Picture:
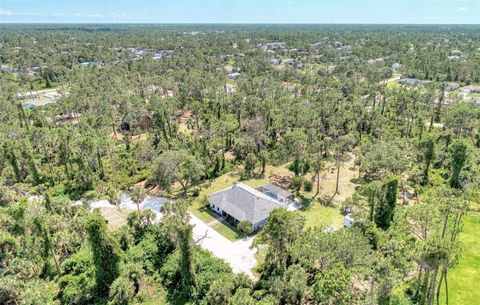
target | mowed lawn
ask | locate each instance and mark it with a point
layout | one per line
(464, 279)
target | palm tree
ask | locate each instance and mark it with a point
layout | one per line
(138, 195)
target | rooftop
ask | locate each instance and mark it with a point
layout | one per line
(244, 203)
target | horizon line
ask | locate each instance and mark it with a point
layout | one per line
(226, 23)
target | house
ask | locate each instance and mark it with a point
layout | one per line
(397, 66)
(228, 69)
(233, 75)
(289, 61)
(28, 106)
(27, 95)
(241, 202)
(277, 193)
(348, 221)
(451, 87)
(412, 82)
(275, 61)
(471, 89)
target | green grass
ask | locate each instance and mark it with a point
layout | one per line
(473, 95)
(464, 279)
(319, 215)
(227, 230)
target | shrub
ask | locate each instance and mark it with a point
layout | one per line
(307, 186)
(245, 227)
(196, 192)
(204, 201)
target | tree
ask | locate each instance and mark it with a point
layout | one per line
(177, 166)
(458, 155)
(296, 184)
(138, 195)
(341, 145)
(280, 232)
(242, 297)
(122, 291)
(106, 253)
(176, 222)
(293, 286)
(114, 196)
(381, 159)
(386, 206)
(333, 286)
(294, 145)
(245, 227)
(427, 146)
(250, 163)
(317, 161)
(220, 291)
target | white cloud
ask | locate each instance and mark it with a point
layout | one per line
(463, 8)
(80, 15)
(5, 13)
(120, 15)
(10, 13)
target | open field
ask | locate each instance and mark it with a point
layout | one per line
(464, 279)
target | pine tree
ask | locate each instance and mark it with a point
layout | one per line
(106, 253)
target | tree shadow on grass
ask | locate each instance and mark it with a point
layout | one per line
(308, 202)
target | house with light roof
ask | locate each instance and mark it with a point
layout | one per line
(240, 202)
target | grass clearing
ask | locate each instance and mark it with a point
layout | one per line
(464, 279)
(116, 218)
(227, 230)
(319, 215)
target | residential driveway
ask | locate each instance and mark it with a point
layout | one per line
(236, 253)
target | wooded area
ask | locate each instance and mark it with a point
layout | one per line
(380, 124)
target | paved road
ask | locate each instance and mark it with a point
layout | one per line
(236, 253)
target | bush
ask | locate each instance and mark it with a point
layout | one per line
(204, 201)
(196, 192)
(307, 186)
(296, 184)
(245, 227)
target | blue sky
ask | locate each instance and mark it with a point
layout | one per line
(241, 11)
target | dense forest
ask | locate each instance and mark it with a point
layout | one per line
(379, 125)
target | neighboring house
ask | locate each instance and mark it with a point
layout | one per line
(412, 82)
(275, 61)
(27, 95)
(348, 221)
(277, 193)
(241, 202)
(228, 69)
(233, 75)
(28, 106)
(397, 66)
(451, 87)
(289, 61)
(471, 89)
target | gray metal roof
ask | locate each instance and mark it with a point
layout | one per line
(276, 189)
(244, 203)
